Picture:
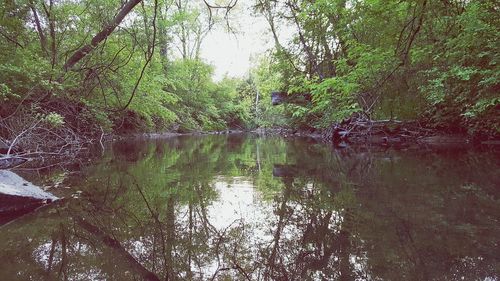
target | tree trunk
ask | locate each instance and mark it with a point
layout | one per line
(103, 34)
(43, 40)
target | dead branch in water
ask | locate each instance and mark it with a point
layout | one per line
(36, 134)
(365, 130)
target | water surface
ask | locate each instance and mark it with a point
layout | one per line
(245, 208)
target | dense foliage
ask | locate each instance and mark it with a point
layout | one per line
(97, 67)
(409, 59)
(94, 66)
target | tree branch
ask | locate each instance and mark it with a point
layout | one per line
(10, 39)
(151, 51)
(43, 39)
(102, 35)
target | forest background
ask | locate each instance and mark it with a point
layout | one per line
(73, 71)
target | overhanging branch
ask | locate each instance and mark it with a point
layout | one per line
(102, 35)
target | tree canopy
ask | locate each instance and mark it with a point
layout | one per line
(412, 59)
(88, 67)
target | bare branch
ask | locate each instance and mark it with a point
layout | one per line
(227, 8)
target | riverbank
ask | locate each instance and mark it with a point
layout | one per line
(384, 133)
(351, 132)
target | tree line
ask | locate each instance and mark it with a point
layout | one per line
(434, 61)
(73, 71)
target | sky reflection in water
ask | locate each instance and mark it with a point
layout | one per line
(246, 208)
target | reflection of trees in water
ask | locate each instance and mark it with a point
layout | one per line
(310, 237)
(336, 215)
(406, 226)
(170, 216)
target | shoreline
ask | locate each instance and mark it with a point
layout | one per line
(350, 133)
(399, 137)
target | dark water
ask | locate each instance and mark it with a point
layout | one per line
(245, 208)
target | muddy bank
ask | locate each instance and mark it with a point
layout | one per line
(161, 135)
(383, 133)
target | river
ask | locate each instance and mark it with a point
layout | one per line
(242, 207)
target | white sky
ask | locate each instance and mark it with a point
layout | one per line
(231, 53)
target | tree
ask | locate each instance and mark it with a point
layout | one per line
(384, 59)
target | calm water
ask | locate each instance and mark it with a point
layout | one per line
(246, 208)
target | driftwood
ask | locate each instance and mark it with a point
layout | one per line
(11, 162)
(18, 196)
(387, 132)
(28, 135)
(13, 185)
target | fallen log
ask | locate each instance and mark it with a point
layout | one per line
(10, 162)
(388, 133)
(18, 196)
